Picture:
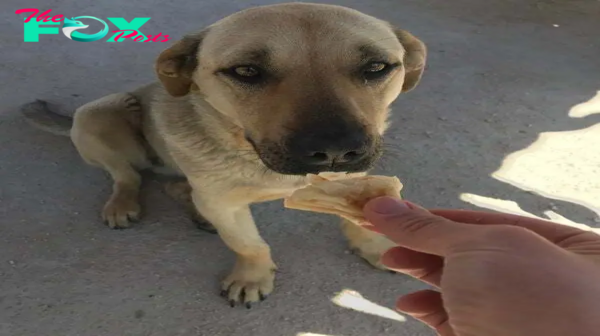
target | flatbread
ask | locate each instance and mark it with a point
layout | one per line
(342, 196)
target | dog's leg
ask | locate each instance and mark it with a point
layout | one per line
(182, 192)
(253, 274)
(106, 134)
(123, 205)
(367, 244)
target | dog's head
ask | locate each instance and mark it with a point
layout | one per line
(310, 84)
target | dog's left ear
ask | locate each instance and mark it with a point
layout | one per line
(175, 66)
(414, 58)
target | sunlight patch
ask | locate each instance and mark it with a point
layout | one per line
(559, 165)
(353, 300)
(512, 207)
(496, 204)
(587, 108)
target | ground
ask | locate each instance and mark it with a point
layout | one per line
(504, 119)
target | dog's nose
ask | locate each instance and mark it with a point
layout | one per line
(330, 149)
(332, 157)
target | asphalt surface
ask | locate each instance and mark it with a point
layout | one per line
(500, 121)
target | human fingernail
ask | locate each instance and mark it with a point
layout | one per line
(387, 206)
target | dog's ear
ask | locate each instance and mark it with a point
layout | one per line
(175, 65)
(414, 58)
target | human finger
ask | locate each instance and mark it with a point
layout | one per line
(551, 231)
(425, 267)
(427, 306)
(413, 227)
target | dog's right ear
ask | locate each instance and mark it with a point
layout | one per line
(175, 65)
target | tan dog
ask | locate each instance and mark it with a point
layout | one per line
(245, 109)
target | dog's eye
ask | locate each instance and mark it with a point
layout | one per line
(375, 67)
(246, 71)
(376, 70)
(246, 74)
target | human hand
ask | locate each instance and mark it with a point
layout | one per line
(495, 274)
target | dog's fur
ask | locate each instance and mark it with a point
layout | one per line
(239, 143)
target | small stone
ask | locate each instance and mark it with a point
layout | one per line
(11, 262)
(139, 314)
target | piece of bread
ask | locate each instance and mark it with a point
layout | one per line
(342, 196)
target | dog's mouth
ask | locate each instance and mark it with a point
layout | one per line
(252, 143)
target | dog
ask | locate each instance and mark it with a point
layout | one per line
(243, 110)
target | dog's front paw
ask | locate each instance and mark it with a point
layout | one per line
(249, 282)
(372, 249)
(119, 212)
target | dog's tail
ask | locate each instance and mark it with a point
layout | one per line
(39, 114)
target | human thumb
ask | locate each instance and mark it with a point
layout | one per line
(413, 227)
